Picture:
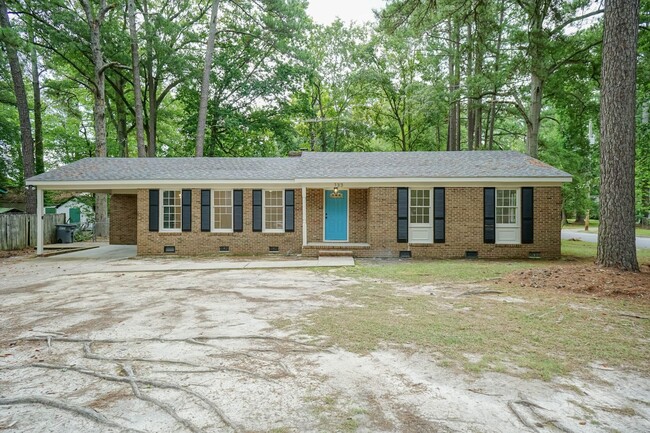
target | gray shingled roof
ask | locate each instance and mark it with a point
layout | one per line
(311, 165)
(424, 164)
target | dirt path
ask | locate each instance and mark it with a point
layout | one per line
(202, 352)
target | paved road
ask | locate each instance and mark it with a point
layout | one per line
(593, 237)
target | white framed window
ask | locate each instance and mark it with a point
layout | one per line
(273, 211)
(171, 211)
(222, 211)
(420, 216)
(420, 207)
(507, 211)
(506, 207)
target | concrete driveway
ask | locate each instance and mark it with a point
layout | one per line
(593, 237)
(210, 351)
(122, 258)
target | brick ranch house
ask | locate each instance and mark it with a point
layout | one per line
(494, 204)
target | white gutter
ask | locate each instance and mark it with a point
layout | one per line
(314, 182)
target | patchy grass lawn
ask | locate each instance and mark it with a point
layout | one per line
(524, 331)
(422, 272)
(542, 335)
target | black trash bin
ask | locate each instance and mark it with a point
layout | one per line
(65, 233)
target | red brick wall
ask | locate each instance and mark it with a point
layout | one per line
(358, 203)
(372, 220)
(464, 226)
(123, 215)
(197, 242)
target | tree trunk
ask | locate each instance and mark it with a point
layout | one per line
(478, 102)
(38, 108)
(151, 84)
(153, 114)
(457, 83)
(493, 102)
(580, 217)
(616, 235)
(312, 137)
(99, 109)
(137, 85)
(534, 117)
(453, 130)
(470, 93)
(205, 83)
(120, 123)
(23, 110)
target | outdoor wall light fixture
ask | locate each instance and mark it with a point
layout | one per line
(335, 193)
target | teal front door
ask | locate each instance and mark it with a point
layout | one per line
(336, 216)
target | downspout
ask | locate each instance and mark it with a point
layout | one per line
(304, 216)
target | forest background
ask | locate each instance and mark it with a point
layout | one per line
(424, 75)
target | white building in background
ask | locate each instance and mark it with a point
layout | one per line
(76, 212)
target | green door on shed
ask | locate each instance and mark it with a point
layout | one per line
(75, 215)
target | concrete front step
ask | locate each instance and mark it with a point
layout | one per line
(335, 253)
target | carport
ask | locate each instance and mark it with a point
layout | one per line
(94, 187)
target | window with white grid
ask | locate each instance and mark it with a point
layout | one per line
(506, 207)
(420, 206)
(273, 211)
(171, 210)
(222, 211)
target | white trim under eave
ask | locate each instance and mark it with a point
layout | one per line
(103, 186)
(406, 181)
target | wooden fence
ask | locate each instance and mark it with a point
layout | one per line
(19, 230)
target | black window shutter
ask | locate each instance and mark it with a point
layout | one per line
(489, 227)
(238, 210)
(257, 210)
(527, 226)
(186, 216)
(205, 210)
(154, 206)
(402, 215)
(439, 215)
(289, 210)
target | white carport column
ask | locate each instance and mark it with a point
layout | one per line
(304, 216)
(39, 221)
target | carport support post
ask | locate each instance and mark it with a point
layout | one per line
(304, 216)
(39, 221)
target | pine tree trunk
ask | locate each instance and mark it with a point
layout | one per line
(457, 83)
(38, 107)
(205, 83)
(99, 108)
(478, 102)
(451, 127)
(151, 84)
(470, 99)
(616, 235)
(137, 85)
(120, 114)
(534, 117)
(493, 102)
(454, 133)
(536, 47)
(23, 111)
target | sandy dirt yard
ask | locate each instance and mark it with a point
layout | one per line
(204, 351)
